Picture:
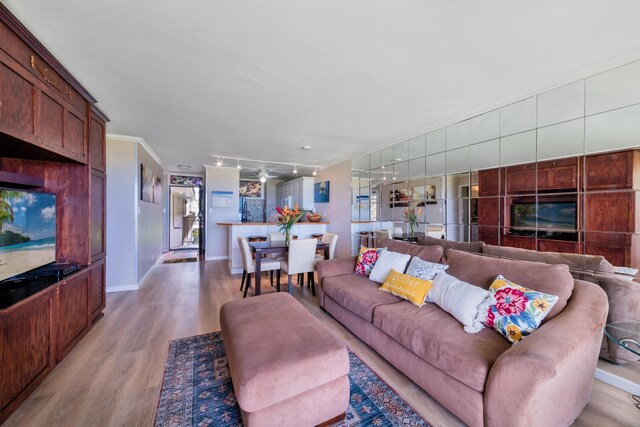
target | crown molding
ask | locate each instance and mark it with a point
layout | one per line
(136, 140)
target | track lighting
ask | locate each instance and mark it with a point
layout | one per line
(314, 172)
(263, 179)
(239, 167)
(219, 162)
(295, 171)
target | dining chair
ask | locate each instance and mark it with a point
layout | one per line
(276, 236)
(249, 266)
(330, 239)
(382, 234)
(301, 259)
(398, 231)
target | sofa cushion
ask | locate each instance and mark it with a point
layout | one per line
(357, 294)
(425, 270)
(407, 287)
(437, 338)
(388, 261)
(367, 258)
(482, 270)
(574, 261)
(426, 253)
(475, 247)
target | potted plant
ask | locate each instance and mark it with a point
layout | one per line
(412, 215)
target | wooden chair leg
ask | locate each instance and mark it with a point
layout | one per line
(313, 284)
(301, 280)
(289, 284)
(309, 279)
(244, 276)
(271, 274)
(278, 280)
(247, 285)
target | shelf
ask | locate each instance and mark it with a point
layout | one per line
(16, 180)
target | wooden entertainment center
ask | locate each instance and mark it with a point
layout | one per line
(603, 188)
(52, 139)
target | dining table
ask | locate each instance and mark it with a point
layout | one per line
(278, 247)
(409, 237)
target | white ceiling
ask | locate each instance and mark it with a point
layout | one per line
(260, 79)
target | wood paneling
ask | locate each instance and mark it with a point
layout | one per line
(521, 179)
(97, 138)
(50, 119)
(97, 289)
(74, 134)
(612, 171)
(489, 211)
(98, 191)
(522, 242)
(545, 245)
(489, 182)
(26, 348)
(612, 211)
(73, 312)
(16, 103)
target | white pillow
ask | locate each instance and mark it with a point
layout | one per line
(424, 270)
(468, 303)
(386, 261)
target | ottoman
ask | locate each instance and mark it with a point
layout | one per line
(287, 368)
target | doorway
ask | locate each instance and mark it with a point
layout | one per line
(185, 217)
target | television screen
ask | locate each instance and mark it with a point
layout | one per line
(27, 231)
(548, 216)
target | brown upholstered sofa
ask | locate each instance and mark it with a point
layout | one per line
(622, 292)
(543, 380)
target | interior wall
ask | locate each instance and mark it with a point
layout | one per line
(220, 179)
(121, 196)
(338, 211)
(150, 218)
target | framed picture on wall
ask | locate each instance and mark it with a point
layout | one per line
(146, 183)
(321, 192)
(251, 189)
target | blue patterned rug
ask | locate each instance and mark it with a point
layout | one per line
(197, 391)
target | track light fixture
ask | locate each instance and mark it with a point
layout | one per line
(219, 162)
(295, 171)
(239, 167)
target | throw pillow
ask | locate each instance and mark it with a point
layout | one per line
(367, 259)
(424, 270)
(466, 302)
(386, 261)
(518, 311)
(407, 287)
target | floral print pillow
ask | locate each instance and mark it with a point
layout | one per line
(518, 310)
(367, 259)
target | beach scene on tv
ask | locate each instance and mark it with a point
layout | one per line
(554, 216)
(27, 231)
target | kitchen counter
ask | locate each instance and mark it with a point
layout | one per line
(303, 230)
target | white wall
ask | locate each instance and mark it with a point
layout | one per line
(150, 220)
(134, 227)
(338, 211)
(220, 179)
(122, 192)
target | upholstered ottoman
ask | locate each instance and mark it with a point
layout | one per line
(287, 368)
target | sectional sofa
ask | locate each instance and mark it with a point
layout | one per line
(544, 380)
(622, 292)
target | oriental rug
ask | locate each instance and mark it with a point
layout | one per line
(197, 391)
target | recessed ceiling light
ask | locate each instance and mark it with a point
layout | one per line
(306, 147)
(398, 159)
(184, 167)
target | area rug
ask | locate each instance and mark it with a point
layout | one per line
(197, 391)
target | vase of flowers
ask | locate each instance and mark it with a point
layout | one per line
(287, 218)
(412, 215)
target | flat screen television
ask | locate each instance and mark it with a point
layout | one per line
(555, 219)
(27, 231)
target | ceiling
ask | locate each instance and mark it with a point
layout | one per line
(260, 79)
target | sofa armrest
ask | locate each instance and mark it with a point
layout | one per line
(333, 267)
(551, 368)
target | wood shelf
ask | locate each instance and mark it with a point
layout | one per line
(18, 180)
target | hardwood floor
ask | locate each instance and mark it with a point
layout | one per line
(112, 377)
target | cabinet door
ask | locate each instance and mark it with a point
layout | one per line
(489, 182)
(27, 346)
(559, 246)
(74, 135)
(73, 312)
(521, 180)
(519, 242)
(610, 212)
(609, 171)
(97, 289)
(97, 137)
(50, 119)
(16, 103)
(98, 191)
(563, 178)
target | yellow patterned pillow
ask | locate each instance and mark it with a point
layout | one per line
(407, 287)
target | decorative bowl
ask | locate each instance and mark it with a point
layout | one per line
(313, 217)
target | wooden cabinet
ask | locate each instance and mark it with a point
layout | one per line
(612, 171)
(523, 242)
(16, 103)
(73, 311)
(300, 189)
(27, 348)
(97, 138)
(521, 179)
(545, 245)
(98, 193)
(97, 289)
(489, 182)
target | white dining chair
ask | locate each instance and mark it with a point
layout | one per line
(249, 266)
(398, 231)
(276, 236)
(382, 234)
(301, 259)
(331, 239)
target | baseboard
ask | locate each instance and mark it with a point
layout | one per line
(122, 288)
(217, 258)
(617, 381)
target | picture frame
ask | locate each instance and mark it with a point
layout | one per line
(146, 183)
(321, 192)
(251, 189)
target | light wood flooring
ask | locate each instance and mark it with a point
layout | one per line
(112, 376)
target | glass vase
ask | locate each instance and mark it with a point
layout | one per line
(287, 237)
